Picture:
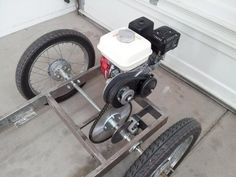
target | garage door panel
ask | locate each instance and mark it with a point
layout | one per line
(206, 54)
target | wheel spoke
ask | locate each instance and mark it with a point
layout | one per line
(47, 52)
(40, 69)
(40, 78)
(72, 50)
(56, 51)
(60, 50)
(39, 73)
(44, 62)
(48, 58)
(44, 86)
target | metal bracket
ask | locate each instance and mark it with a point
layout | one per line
(24, 117)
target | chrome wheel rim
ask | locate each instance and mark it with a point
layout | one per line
(169, 163)
(74, 53)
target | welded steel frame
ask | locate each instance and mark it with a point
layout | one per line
(29, 111)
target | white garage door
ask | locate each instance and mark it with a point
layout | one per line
(19, 14)
(206, 54)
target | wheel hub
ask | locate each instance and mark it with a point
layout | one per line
(55, 67)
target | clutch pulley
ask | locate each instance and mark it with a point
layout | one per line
(126, 86)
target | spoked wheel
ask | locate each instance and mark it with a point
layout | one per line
(163, 156)
(66, 48)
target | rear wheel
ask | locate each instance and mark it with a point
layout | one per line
(65, 45)
(166, 153)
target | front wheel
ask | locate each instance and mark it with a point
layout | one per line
(61, 47)
(166, 153)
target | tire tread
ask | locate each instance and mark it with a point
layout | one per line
(159, 146)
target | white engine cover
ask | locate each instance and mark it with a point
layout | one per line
(125, 48)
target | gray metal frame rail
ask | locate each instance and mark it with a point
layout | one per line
(29, 111)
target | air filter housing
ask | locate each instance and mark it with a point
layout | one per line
(125, 48)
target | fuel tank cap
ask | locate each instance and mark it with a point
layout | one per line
(126, 36)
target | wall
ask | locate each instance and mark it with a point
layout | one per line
(19, 14)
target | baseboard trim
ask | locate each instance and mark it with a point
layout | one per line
(94, 21)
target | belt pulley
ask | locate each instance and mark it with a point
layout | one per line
(126, 86)
(100, 130)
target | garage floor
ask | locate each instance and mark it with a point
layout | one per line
(44, 147)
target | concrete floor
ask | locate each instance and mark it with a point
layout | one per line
(44, 147)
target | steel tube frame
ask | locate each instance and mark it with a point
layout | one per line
(30, 109)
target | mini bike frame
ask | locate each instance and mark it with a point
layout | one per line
(29, 110)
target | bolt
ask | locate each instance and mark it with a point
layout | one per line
(129, 98)
(58, 76)
(139, 149)
(68, 69)
(68, 86)
(78, 81)
(64, 67)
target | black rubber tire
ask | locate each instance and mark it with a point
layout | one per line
(163, 146)
(31, 53)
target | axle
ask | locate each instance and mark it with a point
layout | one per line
(66, 76)
(61, 70)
